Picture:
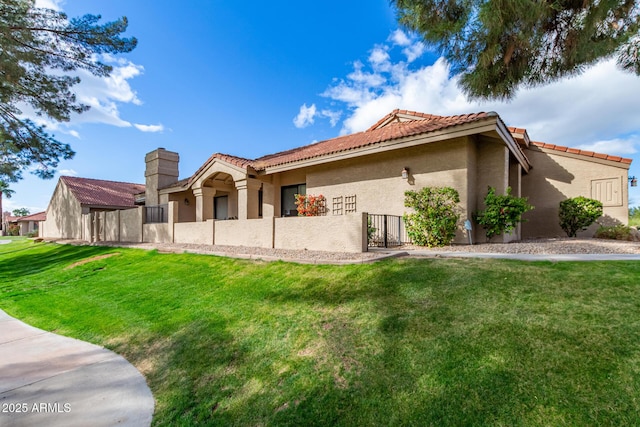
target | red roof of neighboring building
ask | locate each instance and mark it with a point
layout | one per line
(40, 216)
(98, 192)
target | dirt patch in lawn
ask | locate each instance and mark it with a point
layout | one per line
(93, 258)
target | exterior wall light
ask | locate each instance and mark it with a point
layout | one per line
(405, 173)
(186, 201)
(634, 181)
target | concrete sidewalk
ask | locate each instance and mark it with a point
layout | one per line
(51, 380)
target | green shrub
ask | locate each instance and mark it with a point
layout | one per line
(13, 230)
(616, 232)
(578, 213)
(502, 213)
(435, 218)
(371, 230)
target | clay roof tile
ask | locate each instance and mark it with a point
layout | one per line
(98, 192)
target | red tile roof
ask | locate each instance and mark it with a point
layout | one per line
(581, 152)
(40, 216)
(374, 135)
(98, 192)
(395, 125)
(234, 160)
(419, 123)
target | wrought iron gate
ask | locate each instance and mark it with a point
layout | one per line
(384, 231)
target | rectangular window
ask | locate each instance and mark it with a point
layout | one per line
(260, 200)
(288, 198)
(608, 191)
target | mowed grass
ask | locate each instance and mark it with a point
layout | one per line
(402, 342)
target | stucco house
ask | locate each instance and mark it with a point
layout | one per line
(26, 225)
(368, 172)
(74, 198)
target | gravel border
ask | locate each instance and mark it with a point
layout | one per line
(556, 246)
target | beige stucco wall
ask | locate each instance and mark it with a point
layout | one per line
(112, 226)
(194, 232)
(186, 202)
(377, 182)
(346, 233)
(64, 219)
(495, 168)
(131, 225)
(249, 232)
(556, 177)
(156, 233)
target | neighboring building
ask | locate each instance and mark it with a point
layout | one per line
(24, 225)
(369, 172)
(75, 196)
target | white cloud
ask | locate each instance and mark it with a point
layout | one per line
(414, 51)
(68, 172)
(379, 58)
(8, 205)
(596, 110)
(50, 4)
(74, 133)
(149, 128)
(104, 95)
(370, 80)
(333, 116)
(619, 146)
(305, 117)
(400, 38)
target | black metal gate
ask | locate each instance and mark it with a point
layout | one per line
(156, 214)
(384, 231)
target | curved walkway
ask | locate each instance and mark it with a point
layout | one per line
(48, 379)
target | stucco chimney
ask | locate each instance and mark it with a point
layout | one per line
(161, 171)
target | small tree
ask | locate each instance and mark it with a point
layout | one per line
(503, 212)
(578, 213)
(436, 215)
(21, 212)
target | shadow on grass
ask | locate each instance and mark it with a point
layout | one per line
(38, 257)
(410, 378)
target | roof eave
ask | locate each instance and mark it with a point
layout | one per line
(502, 130)
(603, 161)
(466, 129)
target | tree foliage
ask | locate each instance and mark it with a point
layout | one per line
(21, 212)
(39, 51)
(499, 45)
(435, 218)
(503, 212)
(578, 213)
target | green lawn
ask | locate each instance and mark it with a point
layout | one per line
(402, 342)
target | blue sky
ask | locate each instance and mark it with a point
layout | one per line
(214, 76)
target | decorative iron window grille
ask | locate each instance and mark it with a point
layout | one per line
(350, 204)
(156, 214)
(322, 207)
(337, 205)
